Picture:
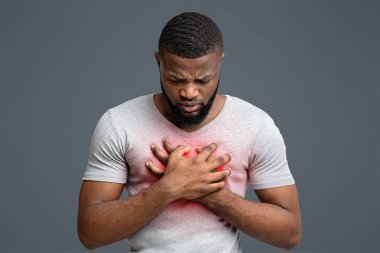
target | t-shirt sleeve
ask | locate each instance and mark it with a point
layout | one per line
(106, 159)
(269, 167)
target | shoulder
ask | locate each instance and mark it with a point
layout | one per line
(134, 105)
(131, 109)
(246, 111)
(127, 113)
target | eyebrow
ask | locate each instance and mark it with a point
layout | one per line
(174, 76)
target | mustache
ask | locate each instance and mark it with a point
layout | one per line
(178, 117)
(190, 103)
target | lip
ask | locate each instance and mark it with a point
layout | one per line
(188, 103)
(188, 107)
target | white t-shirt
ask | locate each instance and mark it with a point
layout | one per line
(121, 145)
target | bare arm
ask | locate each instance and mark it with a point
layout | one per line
(276, 220)
(103, 218)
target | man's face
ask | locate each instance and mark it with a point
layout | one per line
(189, 85)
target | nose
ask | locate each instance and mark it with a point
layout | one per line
(189, 91)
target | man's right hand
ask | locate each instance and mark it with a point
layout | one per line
(191, 178)
(103, 218)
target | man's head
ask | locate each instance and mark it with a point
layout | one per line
(191, 35)
(189, 59)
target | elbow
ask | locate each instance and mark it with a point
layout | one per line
(293, 240)
(88, 245)
(291, 243)
(86, 239)
(294, 234)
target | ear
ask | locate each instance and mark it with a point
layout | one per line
(221, 59)
(157, 56)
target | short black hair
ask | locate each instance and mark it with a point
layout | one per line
(190, 35)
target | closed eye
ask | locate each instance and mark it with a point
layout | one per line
(200, 81)
(203, 81)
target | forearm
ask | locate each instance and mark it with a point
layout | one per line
(266, 222)
(107, 222)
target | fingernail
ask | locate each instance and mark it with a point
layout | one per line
(152, 146)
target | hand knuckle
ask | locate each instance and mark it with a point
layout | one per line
(197, 160)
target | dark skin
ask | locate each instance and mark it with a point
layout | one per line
(104, 218)
(186, 80)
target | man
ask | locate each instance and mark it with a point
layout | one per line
(186, 156)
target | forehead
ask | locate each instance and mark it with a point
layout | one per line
(205, 65)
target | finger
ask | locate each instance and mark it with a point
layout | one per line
(199, 149)
(218, 176)
(154, 169)
(167, 145)
(220, 160)
(179, 151)
(207, 151)
(159, 154)
(215, 186)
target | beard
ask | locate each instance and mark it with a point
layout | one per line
(179, 118)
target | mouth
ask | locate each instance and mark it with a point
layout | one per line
(189, 107)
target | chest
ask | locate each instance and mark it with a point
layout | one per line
(139, 152)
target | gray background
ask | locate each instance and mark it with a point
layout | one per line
(312, 65)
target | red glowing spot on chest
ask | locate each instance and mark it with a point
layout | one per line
(192, 153)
